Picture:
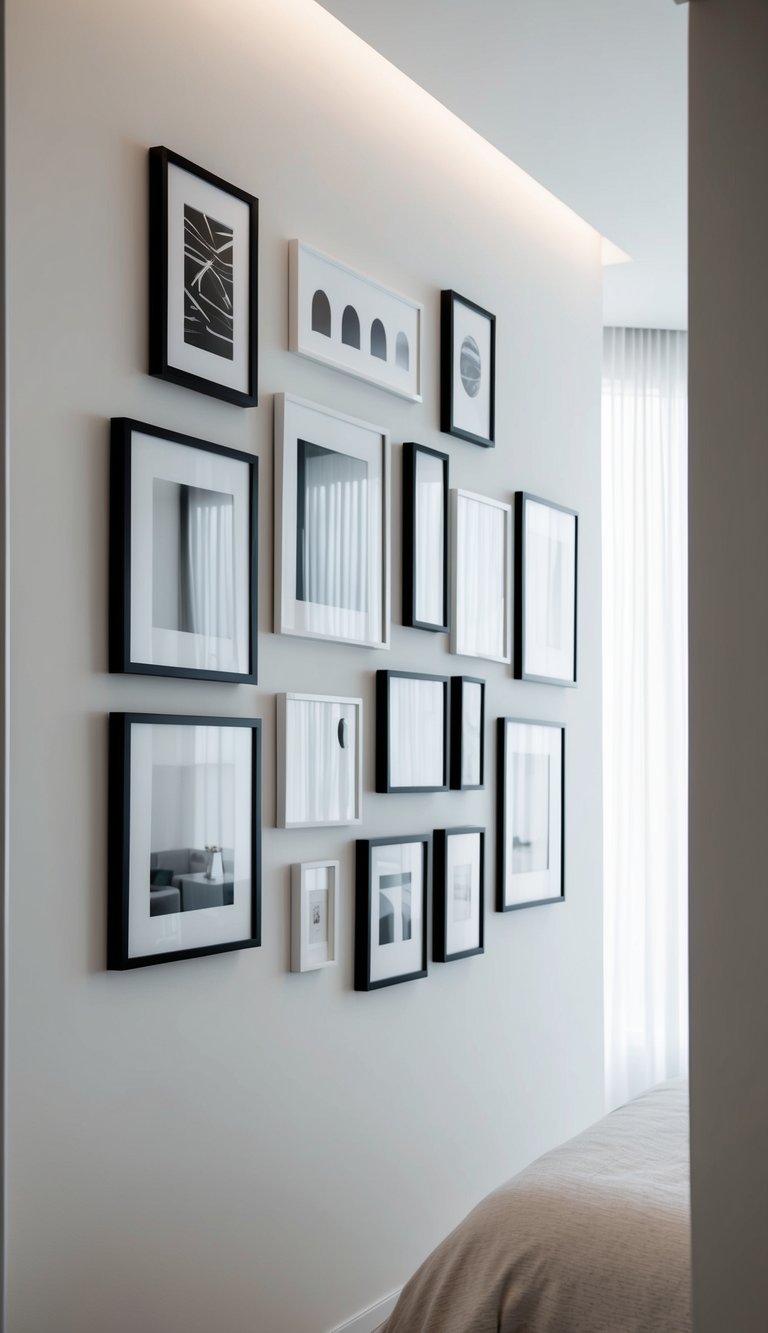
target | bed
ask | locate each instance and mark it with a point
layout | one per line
(592, 1238)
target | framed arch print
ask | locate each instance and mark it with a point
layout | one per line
(530, 815)
(467, 370)
(350, 322)
(203, 280)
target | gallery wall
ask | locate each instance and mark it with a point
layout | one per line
(219, 1143)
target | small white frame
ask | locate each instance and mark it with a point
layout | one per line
(311, 273)
(294, 774)
(478, 627)
(306, 956)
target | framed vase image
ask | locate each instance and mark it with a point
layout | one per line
(203, 280)
(184, 837)
(319, 760)
(183, 556)
(314, 915)
(411, 732)
(530, 817)
(332, 525)
(467, 733)
(425, 538)
(458, 888)
(467, 370)
(481, 576)
(391, 910)
(345, 320)
(546, 564)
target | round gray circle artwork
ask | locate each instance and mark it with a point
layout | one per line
(469, 366)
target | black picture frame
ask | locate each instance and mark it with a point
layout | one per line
(503, 724)
(440, 951)
(161, 363)
(385, 742)
(119, 839)
(520, 668)
(364, 887)
(457, 733)
(449, 300)
(412, 538)
(122, 430)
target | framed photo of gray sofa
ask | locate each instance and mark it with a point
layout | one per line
(184, 837)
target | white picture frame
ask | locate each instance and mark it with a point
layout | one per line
(481, 576)
(332, 579)
(352, 323)
(319, 761)
(314, 915)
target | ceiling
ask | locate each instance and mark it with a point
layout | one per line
(587, 96)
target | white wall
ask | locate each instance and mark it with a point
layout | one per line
(728, 490)
(219, 1144)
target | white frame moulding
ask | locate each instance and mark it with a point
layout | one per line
(282, 767)
(299, 904)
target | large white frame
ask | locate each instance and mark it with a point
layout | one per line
(287, 776)
(306, 957)
(478, 627)
(296, 419)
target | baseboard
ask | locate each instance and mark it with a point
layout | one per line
(369, 1319)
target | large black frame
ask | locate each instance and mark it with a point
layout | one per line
(448, 300)
(383, 745)
(501, 814)
(457, 732)
(411, 538)
(522, 498)
(119, 835)
(160, 159)
(440, 952)
(363, 891)
(122, 429)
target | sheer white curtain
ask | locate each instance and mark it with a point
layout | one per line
(645, 661)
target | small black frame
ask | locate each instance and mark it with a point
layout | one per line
(448, 300)
(412, 537)
(119, 838)
(120, 554)
(363, 907)
(501, 815)
(384, 741)
(522, 498)
(440, 952)
(160, 159)
(457, 732)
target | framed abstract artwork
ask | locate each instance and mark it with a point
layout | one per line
(203, 280)
(391, 911)
(319, 760)
(425, 538)
(345, 320)
(184, 837)
(458, 889)
(314, 915)
(183, 556)
(546, 562)
(411, 732)
(467, 370)
(467, 733)
(481, 566)
(332, 525)
(530, 817)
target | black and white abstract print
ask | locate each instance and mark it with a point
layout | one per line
(208, 288)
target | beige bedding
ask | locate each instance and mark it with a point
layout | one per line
(592, 1238)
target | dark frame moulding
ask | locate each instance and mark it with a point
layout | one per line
(160, 159)
(122, 429)
(363, 890)
(119, 828)
(448, 298)
(411, 538)
(439, 895)
(522, 498)
(501, 823)
(457, 732)
(383, 748)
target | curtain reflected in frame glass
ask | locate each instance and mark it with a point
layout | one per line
(425, 538)
(530, 815)
(481, 583)
(412, 733)
(467, 733)
(546, 569)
